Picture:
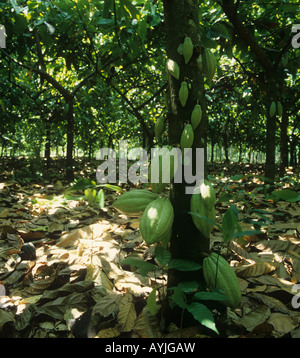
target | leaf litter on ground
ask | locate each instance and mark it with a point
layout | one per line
(80, 286)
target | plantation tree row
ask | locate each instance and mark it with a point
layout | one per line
(80, 75)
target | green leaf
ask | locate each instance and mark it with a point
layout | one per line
(209, 296)
(105, 22)
(20, 24)
(162, 255)
(203, 315)
(143, 266)
(100, 198)
(90, 195)
(81, 185)
(184, 265)
(228, 225)
(286, 195)
(130, 8)
(189, 286)
(178, 297)
(151, 302)
(108, 6)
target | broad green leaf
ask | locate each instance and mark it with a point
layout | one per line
(162, 255)
(178, 297)
(105, 22)
(90, 195)
(209, 296)
(100, 198)
(151, 302)
(228, 225)
(287, 195)
(203, 315)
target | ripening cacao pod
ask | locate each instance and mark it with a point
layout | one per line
(188, 49)
(183, 93)
(173, 68)
(209, 64)
(159, 124)
(159, 176)
(279, 109)
(134, 202)
(202, 203)
(196, 116)
(219, 274)
(272, 110)
(157, 220)
(187, 137)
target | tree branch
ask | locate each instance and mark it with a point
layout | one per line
(229, 8)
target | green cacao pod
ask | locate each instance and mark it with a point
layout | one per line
(159, 125)
(209, 64)
(173, 68)
(157, 220)
(196, 116)
(187, 137)
(202, 203)
(134, 202)
(272, 110)
(219, 274)
(183, 93)
(279, 109)
(188, 49)
(165, 158)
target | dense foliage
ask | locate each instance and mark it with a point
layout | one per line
(104, 62)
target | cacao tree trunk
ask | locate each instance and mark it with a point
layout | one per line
(181, 20)
(48, 143)
(270, 167)
(284, 153)
(70, 140)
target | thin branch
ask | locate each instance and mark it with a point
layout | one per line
(64, 92)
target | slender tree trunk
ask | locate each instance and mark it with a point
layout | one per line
(48, 143)
(270, 165)
(284, 153)
(212, 157)
(181, 20)
(70, 140)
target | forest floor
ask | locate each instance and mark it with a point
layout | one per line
(61, 271)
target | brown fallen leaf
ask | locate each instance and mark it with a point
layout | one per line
(255, 269)
(32, 235)
(283, 323)
(127, 314)
(110, 332)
